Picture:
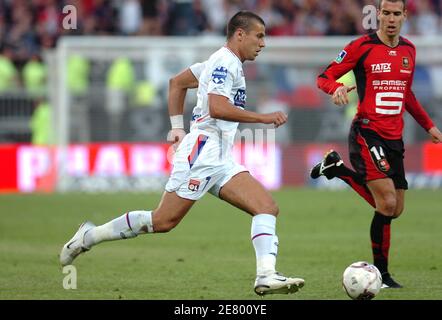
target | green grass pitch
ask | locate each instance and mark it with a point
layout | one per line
(210, 255)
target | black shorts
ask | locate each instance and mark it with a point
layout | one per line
(374, 157)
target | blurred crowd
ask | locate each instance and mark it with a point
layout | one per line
(28, 26)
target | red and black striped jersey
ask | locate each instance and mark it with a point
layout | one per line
(384, 76)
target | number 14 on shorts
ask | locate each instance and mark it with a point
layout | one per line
(379, 155)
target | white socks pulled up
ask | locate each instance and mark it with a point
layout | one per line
(129, 225)
(265, 243)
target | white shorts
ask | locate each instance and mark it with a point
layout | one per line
(199, 167)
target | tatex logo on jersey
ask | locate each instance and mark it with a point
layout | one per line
(381, 67)
(341, 56)
(219, 75)
(194, 185)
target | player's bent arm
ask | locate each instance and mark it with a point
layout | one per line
(345, 62)
(413, 107)
(340, 96)
(221, 108)
(327, 85)
(326, 81)
(416, 110)
(178, 86)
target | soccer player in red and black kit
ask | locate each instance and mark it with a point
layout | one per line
(383, 64)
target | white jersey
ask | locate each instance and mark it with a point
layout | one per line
(221, 74)
(203, 161)
(197, 69)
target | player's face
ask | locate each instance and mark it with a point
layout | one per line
(391, 16)
(253, 41)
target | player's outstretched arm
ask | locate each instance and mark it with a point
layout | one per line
(178, 86)
(436, 135)
(221, 108)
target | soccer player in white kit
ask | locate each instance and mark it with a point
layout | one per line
(203, 161)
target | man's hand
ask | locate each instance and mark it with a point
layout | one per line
(277, 118)
(436, 135)
(340, 97)
(175, 136)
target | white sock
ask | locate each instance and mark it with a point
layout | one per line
(129, 225)
(265, 243)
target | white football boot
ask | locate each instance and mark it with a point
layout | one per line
(277, 283)
(75, 246)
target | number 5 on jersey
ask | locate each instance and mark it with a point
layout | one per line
(380, 102)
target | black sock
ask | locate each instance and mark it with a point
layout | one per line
(343, 170)
(380, 240)
(356, 182)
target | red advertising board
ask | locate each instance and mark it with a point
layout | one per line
(27, 168)
(432, 158)
(8, 168)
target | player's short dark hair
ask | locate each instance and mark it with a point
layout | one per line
(404, 1)
(242, 19)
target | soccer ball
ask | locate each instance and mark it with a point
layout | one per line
(362, 281)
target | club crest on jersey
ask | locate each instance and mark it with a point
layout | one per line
(383, 165)
(341, 56)
(219, 75)
(405, 63)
